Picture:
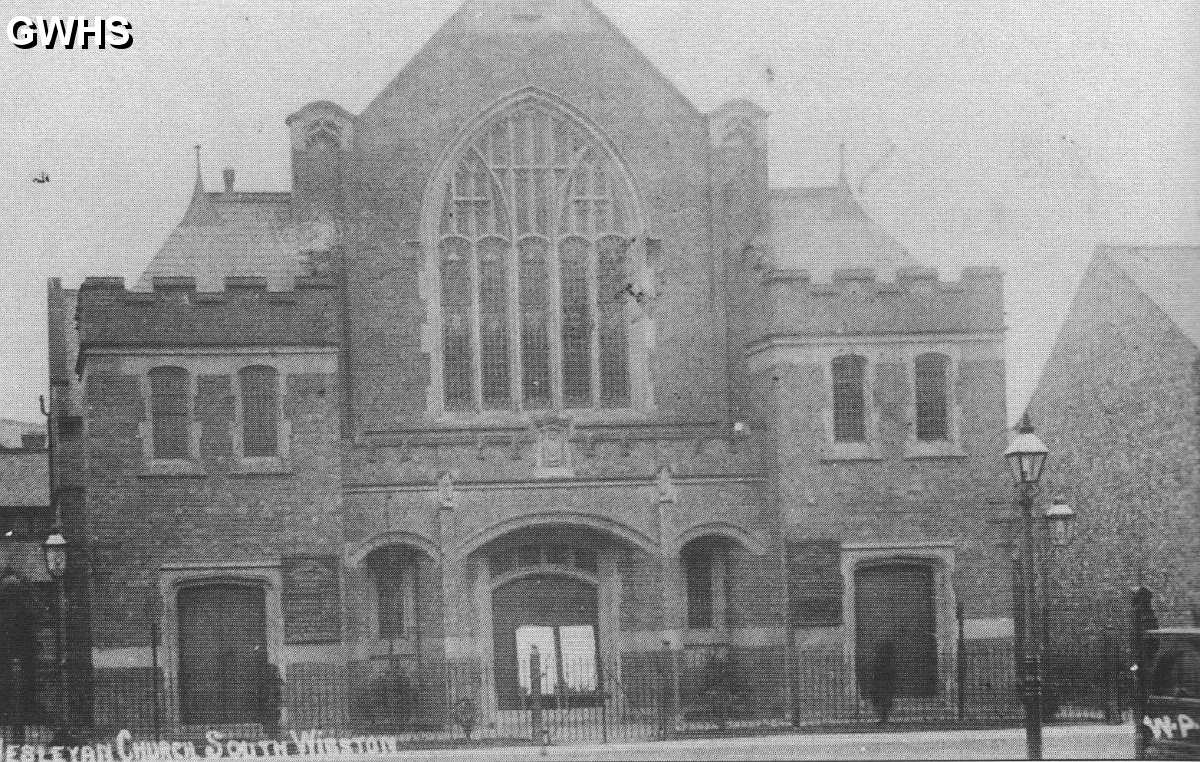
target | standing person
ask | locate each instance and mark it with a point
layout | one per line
(881, 682)
(269, 686)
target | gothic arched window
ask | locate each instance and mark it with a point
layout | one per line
(534, 251)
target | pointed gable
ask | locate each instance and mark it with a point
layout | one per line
(1169, 276)
(567, 34)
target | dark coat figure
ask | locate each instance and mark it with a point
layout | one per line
(269, 686)
(18, 651)
(881, 680)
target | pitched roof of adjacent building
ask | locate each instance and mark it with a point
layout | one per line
(230, 234)
(820, 229)
(824, 228)
(1169, 276)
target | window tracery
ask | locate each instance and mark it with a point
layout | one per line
(534, 242)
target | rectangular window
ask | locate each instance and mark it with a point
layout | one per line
(260, 411)
(931, 397)
(849, 399)
(170, 412)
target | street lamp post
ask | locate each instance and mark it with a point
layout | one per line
(1026, 457)
(55, 548)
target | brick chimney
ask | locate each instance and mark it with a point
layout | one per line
(228, 173)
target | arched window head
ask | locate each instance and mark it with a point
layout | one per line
(260, 410)
(170, 412)
(932, 397)
(849, 398)
(534, 246)
(323, 134)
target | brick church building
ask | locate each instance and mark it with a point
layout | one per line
(530, 355)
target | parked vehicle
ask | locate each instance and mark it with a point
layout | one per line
(1170, 718)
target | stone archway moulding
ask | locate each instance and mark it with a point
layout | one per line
(721, 529)
(606, 525)
(357, 553)
(549, 571)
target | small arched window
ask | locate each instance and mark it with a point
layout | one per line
(395, 576)
(704, 569)
(170, 412)
(533, 245)
(932, 397)
(849, 398)
(260, 410)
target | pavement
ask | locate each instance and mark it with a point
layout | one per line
(1059, 742)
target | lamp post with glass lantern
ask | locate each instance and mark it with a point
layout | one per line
(55, 548)
(1026, 457)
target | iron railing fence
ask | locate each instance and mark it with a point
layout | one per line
(640, 696)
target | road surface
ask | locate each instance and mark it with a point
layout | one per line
(1075, 742)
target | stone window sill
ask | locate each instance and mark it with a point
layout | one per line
(383, 648)
(262, 466)
(172, 467)
(916, 450)
(706, 636)
(850, 451)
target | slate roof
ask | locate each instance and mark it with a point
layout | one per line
(823, 229)
(820, 229)
(230, 234)
(1169, 276)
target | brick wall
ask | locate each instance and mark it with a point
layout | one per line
(137, 521)
(1118, 405)
(401, 139)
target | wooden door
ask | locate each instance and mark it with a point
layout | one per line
(894, 602)
(222, 643)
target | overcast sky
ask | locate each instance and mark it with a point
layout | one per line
(1012, 132)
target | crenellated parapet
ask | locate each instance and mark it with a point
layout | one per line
(175, 314)
(855, 302)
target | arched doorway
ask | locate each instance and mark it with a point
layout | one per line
(222, 654)
(558, 615)
(894, 603)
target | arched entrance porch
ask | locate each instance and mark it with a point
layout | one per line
(559, 588)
